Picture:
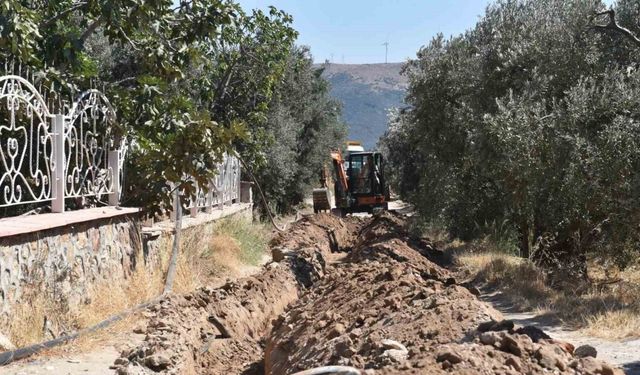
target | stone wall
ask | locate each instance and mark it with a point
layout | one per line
(64, 262)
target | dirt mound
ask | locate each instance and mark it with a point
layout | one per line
(324, 232)
(389, 309)
(384, 308)
(212, 330)
(349, 315)
(219, 331)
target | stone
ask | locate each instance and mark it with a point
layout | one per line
(492, 325)
(396, 355)
(490, 338)
(590, 365)
(337, 330)
(513, 346)
(608, 370)
(392, 344)
(157, 362)
(449, 355)
(278, 254)
(549, 358)
(344, 348)
(535, 333)
(514, 362)
(585, 351)
(121, 362)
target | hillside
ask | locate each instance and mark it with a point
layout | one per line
(367, 92)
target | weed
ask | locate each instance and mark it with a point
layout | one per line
(603, 310)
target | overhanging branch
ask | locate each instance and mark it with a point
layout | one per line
(613, 25)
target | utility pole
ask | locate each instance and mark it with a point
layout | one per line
(386, 51)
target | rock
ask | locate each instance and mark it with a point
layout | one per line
(608, 370)
(396, 355)
(337, 330)
(6, 344)
(566, 346)
(392, 344)
(490, 338)
(344, 348)
(513, 346)
(140, 329)
(550, 357)
(278, 254)
(157, 362)
(395, 351)
(449, 355)
(492, 325)
(121, 362)
(535, 333)
(585, 351)
(514, 362)
(590, 365)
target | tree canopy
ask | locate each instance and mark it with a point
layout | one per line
(531, 119)
(189, 81)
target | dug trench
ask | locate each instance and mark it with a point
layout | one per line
(359, 293)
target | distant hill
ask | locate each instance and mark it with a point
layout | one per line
(367, 92)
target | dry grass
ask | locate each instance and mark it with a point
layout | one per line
(27, 321)
(519, 279)
(603, 310)
(207, 255)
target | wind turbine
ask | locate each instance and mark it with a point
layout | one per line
(386, 50)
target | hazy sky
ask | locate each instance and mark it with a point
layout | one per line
(352, 31)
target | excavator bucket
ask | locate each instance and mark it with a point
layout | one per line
(321, 200)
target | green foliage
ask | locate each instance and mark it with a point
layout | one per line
(189, 82)
(303, 125)
(531, 118)
(252, 238)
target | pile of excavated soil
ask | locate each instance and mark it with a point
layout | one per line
(220, 330)
(390, 310)
(385, 307)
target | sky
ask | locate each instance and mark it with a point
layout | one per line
(353, 31)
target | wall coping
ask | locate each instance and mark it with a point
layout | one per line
(13, 226)
(168, 226)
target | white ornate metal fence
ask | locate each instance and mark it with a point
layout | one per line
(223, 189)
(49, 156)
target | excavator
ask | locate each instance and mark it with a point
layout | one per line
(358, 180)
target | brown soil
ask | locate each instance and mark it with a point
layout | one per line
(384, 308)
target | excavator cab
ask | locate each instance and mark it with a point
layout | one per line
(359, 183)
(367, 187)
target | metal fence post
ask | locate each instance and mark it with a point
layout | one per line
(209, 208)
(58, 183)
(193, 210)
(114, 164)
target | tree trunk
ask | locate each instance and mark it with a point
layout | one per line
(525, 251)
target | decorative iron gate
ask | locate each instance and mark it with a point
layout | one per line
(49, 157)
